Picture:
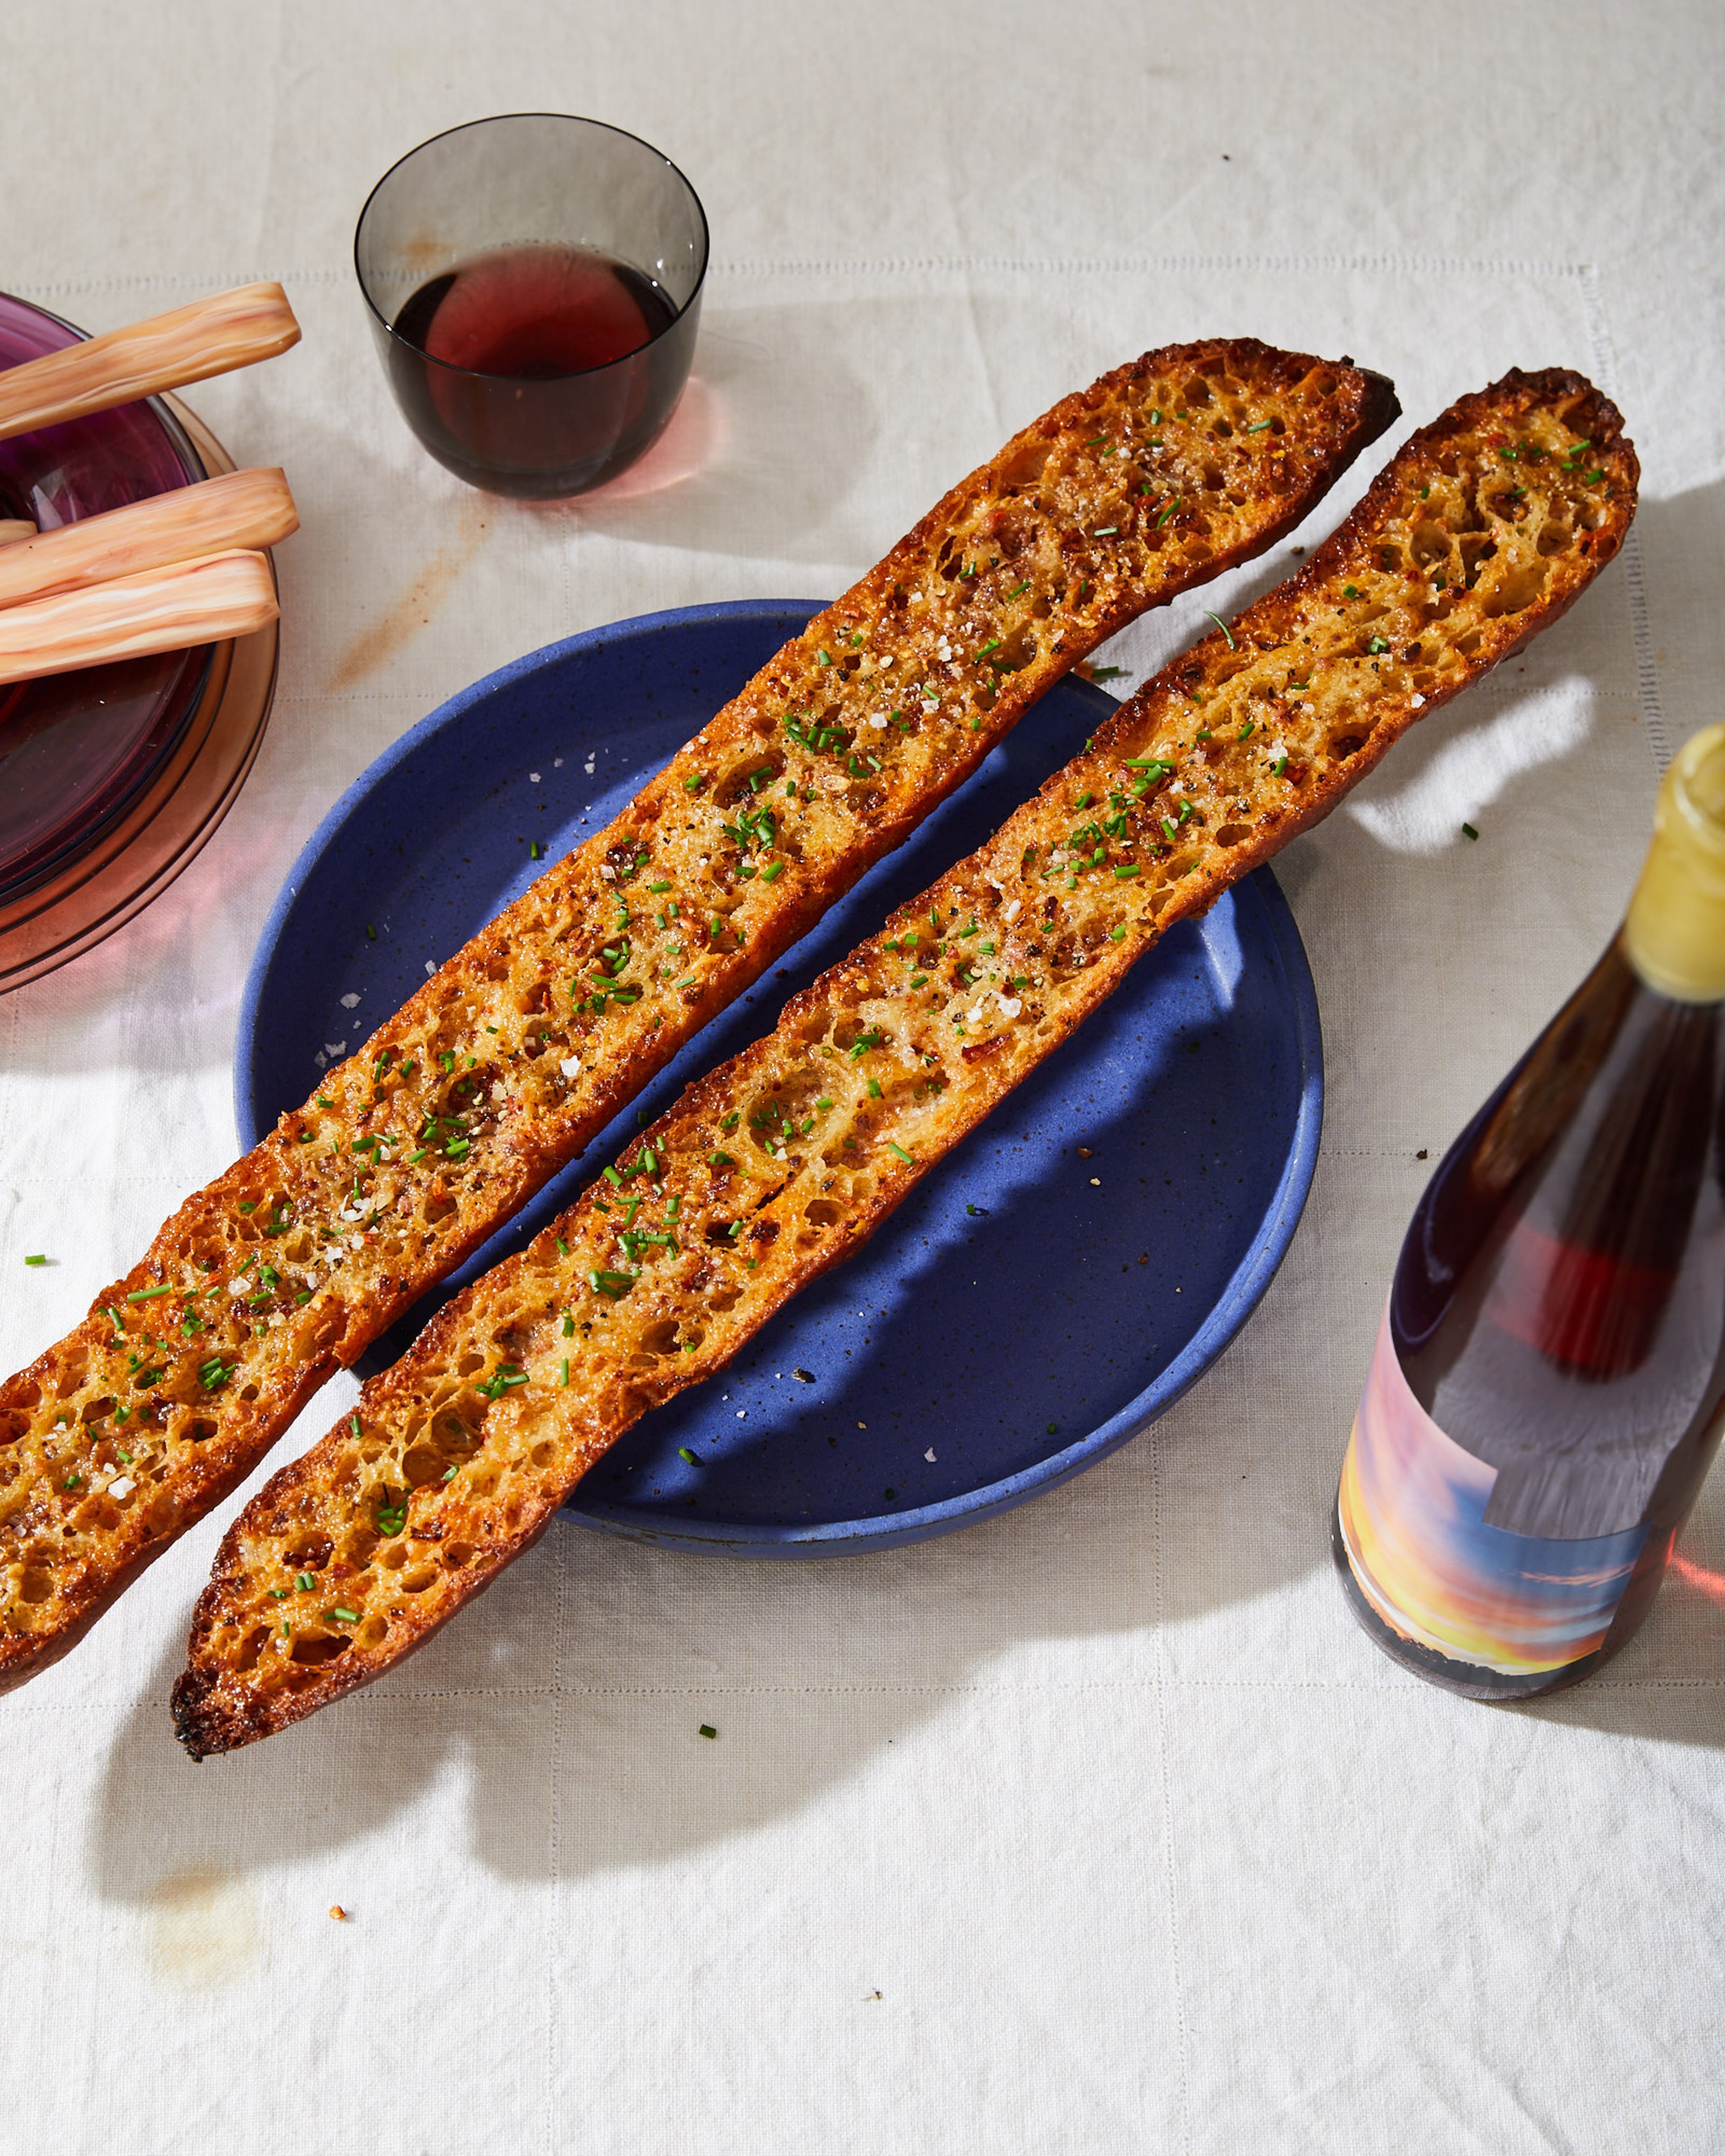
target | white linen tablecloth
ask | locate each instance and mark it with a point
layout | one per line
(1097, 1827)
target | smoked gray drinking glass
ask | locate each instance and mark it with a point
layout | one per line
(499, 202)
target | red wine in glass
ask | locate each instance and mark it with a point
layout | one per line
(539, 371)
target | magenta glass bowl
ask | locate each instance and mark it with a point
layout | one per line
(76, 748)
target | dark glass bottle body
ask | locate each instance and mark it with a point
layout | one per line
(1549, 1386)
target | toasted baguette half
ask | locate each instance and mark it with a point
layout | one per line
(1483, 530)
(528, 1041)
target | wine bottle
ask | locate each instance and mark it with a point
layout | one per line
(1548, 1383)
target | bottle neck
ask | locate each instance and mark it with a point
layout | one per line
(1674, 935)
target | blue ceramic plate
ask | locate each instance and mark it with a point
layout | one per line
(1048, 1291)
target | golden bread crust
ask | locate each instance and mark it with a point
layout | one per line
(529, 1040)
(1484, 528)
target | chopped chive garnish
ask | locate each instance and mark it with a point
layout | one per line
(39, 1259)
(1259, 427)
(1223, 627)
(1469, 830)
(1130, 870)
(720, 1160)
(708, 1729)
(896, 1148)
(1167, 512)
(344, 1616)
(1377, 644)
(148, 1294)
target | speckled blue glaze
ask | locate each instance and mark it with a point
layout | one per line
(1028, 1309)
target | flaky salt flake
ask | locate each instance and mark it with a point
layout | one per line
(350, 1000)
(571, 1066)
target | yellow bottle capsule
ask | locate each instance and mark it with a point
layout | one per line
(1674, 935)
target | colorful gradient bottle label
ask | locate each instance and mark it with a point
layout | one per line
(1412, 1509)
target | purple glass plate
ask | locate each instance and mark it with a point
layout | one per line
(75, 748)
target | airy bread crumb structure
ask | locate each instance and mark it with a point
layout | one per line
(529, 1040)
(1482, 530)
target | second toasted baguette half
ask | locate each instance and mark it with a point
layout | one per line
(1482, 530)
